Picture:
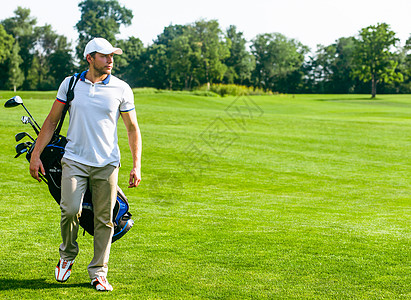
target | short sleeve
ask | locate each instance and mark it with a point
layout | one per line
(127, 101)
(62, 91)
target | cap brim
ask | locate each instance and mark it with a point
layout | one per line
(109, 51)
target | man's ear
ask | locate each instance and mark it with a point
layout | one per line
(89, 58)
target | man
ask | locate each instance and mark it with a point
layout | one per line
(92, 156)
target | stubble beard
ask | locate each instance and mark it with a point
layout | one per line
(101, 71)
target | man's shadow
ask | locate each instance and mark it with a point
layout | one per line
(35, 284)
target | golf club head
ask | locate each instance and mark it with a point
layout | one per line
(22, 146)
(21, 152)
(21, 135)
(25, 120)
(13, 102)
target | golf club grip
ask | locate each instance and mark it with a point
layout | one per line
(35, 129)
(43, 178)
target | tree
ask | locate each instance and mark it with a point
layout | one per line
(214, 50)
(15, 74)
(183, 57)
(342, 81)
(21, 27)
(404, 67)
(100, 18)
(52, 60)
(6, 44)
(329, 70)
(129, 65)
(374, 60)
(160, 64)
(240, 63)
(155, 67)
(60, 61)
(39, 76)
(321, 68)
(170, 33)
(276, 58)
(46, 55)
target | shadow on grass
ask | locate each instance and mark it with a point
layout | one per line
(368, 99)
(36, 284)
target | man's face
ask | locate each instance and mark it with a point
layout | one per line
(102, 63)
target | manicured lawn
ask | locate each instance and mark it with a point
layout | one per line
(276, 197)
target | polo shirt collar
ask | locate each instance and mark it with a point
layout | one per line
(105, 81)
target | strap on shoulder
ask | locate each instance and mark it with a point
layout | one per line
(70, 91)
(70, 96)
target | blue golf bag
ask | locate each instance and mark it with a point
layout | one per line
(51, 159)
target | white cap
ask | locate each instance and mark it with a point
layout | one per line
(102, 46)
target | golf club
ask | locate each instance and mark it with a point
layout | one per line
(27, 120)
(16, 101)
(19, 136)
(22, 148)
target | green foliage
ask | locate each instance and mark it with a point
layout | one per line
(128, 65)
(329, 70)
(46, 56)
(6, 44)
(52, 61)
(60, 61)
(15, 76)
(374, 60)
(151, 91)
(404, 67)
(155, 68)
(208, 37)
(100, 18)
(232, 90)
(186, 57)
(276, 58)
(21, 27)
(183, 57)
(240, 63)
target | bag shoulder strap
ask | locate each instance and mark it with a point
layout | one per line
(70, 96)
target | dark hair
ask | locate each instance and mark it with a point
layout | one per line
(92, 54)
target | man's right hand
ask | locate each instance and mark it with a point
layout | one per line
(44, 137)
(35, 166)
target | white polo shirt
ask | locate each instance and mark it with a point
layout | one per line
(94, 112)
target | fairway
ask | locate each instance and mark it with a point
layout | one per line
(264, 197)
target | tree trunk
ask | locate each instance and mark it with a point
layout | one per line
(373, 87)
(15, 88)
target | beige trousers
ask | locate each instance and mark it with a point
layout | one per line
(103, 185)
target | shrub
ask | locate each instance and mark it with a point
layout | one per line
(232, 90)
(145, 90)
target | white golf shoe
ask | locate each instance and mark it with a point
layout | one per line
(63, 270)
(100, 283)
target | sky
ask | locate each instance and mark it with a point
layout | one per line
(311, 22)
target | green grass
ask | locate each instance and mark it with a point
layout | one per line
(290, 197)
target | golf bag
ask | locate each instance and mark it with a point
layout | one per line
(51, 159)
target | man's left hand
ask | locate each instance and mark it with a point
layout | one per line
(135, 178)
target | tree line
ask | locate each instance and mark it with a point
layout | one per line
(186, 57)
